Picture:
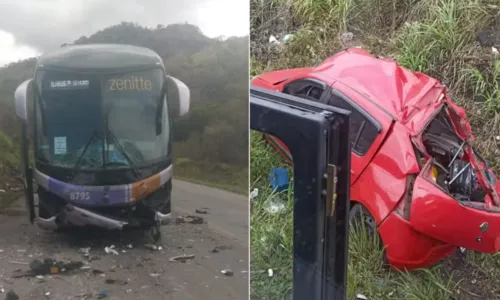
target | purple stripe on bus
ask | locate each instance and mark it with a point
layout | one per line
(80, 195)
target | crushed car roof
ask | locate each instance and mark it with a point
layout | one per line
(99, 57)
(395, 88)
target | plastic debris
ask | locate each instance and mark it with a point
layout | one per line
(275, 205)
(361, 297)
(153, 247)
(103, 294)
(287, 37)
(273, 40)
(203, 211)
(111, 250)
(347, 36)
(270, 272)
(494, 50)
(254, 194)
(227, 272)
(154, 274)
(279, 179)
(181, 258)
(85, 251)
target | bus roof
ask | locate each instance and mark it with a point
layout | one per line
(100, 57)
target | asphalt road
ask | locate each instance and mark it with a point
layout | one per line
(136, 272)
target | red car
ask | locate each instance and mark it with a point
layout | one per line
(415, 175)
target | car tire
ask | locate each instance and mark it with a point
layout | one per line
(359, 212)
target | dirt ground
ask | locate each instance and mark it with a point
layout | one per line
(136, 271)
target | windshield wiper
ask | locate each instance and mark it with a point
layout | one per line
(74, 170)
(134, 167)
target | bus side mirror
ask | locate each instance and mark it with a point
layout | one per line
(183, 94)
(21, 99)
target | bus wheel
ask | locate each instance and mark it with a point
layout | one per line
(43, 212)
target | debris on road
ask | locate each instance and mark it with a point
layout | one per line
(11, 295)
(202, 211)
(97, 272)
(154, 274)
(153, 247)
(219, 248)
(111, 250)
(18, 262)
(227, 272)
(116, 281)
(85, 251)
(189, 219)
(181, 258)
(48, 266)
(103, 294)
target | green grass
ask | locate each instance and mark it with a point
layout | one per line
(271, 248)
(9, 160)
(222, 176)
(437, 37)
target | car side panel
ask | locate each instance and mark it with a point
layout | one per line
(383, 182)
(359, 163)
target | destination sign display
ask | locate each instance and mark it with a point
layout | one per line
(69, 84)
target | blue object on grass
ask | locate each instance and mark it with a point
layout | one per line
(279, 179)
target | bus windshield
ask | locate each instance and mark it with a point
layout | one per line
(96, 121)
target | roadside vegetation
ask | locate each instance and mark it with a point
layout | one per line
(218, 116)
(456, 41)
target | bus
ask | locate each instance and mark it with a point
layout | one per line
(99, 117)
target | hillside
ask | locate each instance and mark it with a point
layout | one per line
(215, 71)
(456, 41)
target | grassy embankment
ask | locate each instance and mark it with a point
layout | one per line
(438, 37)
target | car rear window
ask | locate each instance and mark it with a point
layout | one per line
(363, 131)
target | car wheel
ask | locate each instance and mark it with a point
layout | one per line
(360, 219)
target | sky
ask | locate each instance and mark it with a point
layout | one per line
(30, 27)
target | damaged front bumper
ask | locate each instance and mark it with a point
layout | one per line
(71, 215)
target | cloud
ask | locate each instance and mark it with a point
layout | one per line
(43, 25)
(11, 51)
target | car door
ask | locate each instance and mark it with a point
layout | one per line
(369, 126)
(309, 88)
